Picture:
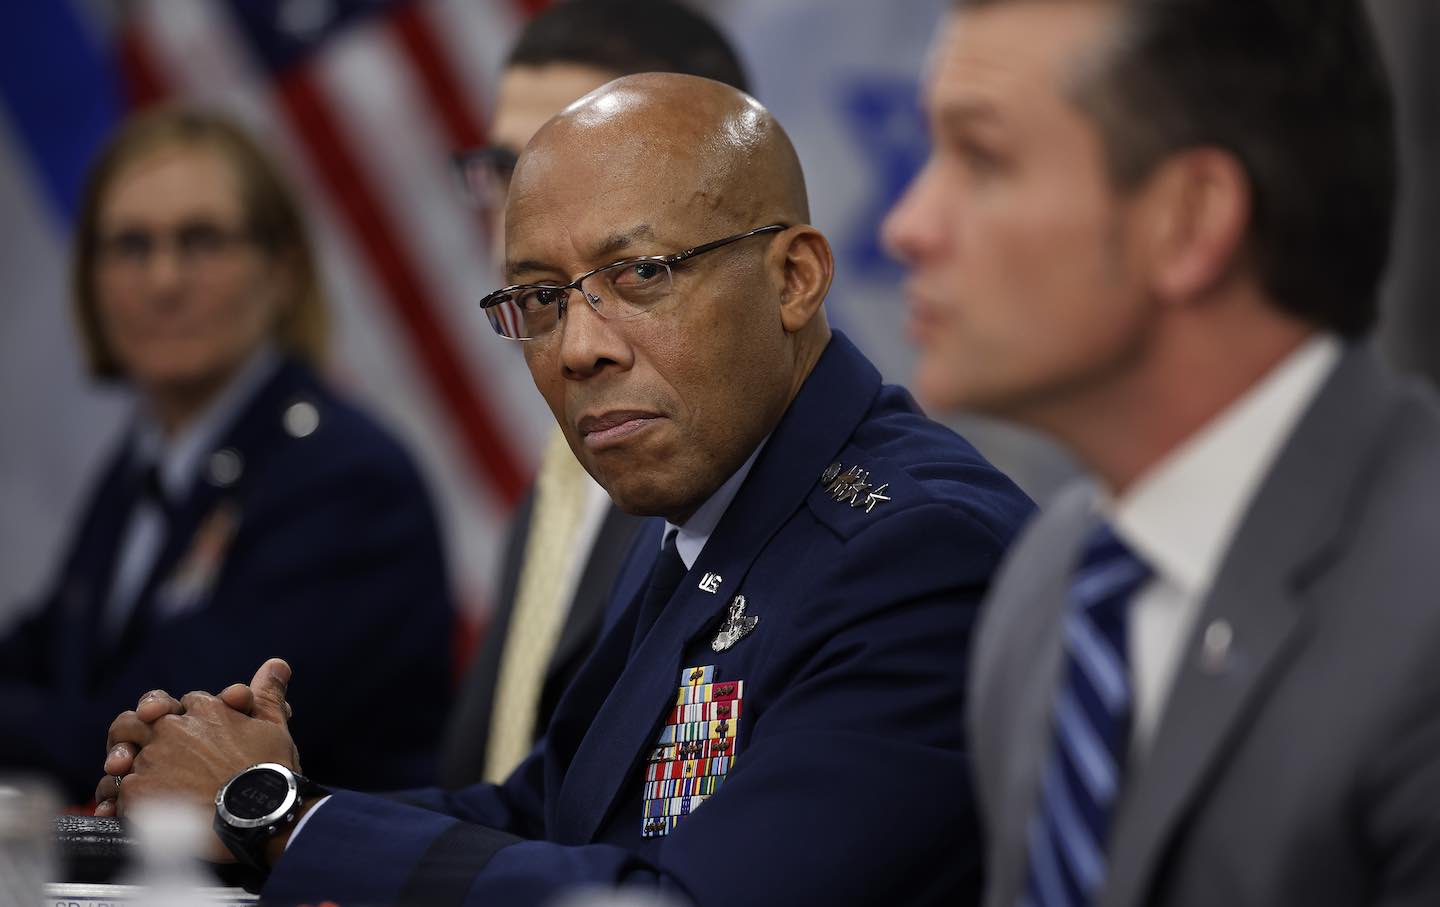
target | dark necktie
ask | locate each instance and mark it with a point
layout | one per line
(665, 576)
(153, 490)
(1091, 732)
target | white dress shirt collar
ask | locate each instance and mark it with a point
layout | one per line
(1181, 515)
(695, 532)
(1181, 518)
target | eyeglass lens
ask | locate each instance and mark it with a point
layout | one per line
(194, 241)
(485, 175)
(622, 290)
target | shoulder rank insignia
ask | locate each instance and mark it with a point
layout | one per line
(736, 627)
(852, 486)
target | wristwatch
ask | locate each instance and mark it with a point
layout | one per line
(257, 804)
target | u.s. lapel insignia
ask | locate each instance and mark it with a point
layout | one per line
(736, 627)
(710, 582)
(852, 486)
(695, 749)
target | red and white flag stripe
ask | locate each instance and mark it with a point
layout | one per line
(366, 126)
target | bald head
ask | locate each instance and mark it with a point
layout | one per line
(726, 149)
(663, 400)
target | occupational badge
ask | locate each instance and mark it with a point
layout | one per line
(736, 627)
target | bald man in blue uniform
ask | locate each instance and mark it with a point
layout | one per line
(775, 714)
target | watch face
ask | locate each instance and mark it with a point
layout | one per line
(256, 794)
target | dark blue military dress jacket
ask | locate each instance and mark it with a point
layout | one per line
(806, 751)
(308, 535)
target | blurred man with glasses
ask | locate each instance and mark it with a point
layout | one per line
(575, 47)
(567, 539)
(774, 717)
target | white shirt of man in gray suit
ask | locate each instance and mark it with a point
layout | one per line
(1154, 231)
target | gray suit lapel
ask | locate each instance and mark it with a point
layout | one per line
(1013, 734)
(1287, 537)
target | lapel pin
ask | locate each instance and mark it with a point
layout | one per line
(711, 583)
(225, 467)
(736, 626)
(1215, 647)
(301, 419)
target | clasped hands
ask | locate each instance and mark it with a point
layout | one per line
(188, 748)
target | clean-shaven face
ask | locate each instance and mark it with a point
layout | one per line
(190, 311)
(663, 407)
(1022, 290)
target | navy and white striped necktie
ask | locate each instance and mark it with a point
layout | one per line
(1092, 713)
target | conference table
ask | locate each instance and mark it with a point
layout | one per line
(67, 894)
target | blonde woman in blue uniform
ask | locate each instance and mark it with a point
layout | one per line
(247, 510)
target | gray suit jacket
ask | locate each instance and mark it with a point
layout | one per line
(1300, 763)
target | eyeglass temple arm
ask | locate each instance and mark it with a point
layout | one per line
(715, 244)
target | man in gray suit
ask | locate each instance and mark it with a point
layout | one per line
(1154, 229)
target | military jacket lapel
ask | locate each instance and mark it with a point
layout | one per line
(90, 569)
(204, 524)
(822, 417)
(588, 609)
(196, 511)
